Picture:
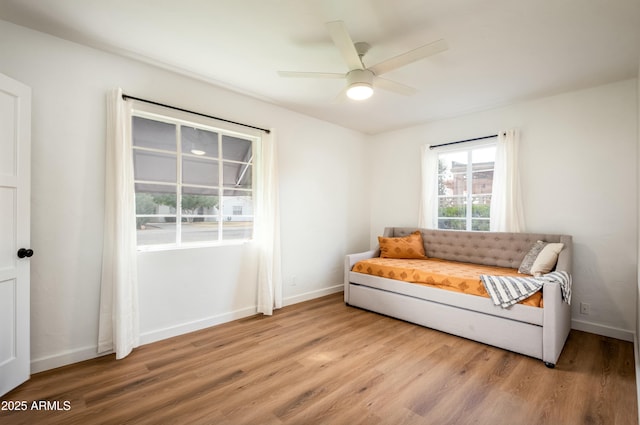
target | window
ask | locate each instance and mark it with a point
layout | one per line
(193, 182)
(465, 182)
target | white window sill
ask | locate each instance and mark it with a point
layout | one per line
(173, 247)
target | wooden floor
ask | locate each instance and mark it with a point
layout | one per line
(321, 362)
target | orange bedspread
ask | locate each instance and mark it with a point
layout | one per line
(449, 275)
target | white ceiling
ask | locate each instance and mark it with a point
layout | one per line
(500, 51)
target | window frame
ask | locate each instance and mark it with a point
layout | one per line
(469, 195)
(180, 119)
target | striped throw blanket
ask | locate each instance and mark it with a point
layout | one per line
(506, 291)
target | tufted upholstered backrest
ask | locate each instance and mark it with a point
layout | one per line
(500, 249)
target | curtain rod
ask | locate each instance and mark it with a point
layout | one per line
(463, 141)
(125, 97)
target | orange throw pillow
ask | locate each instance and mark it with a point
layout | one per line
(410, 246)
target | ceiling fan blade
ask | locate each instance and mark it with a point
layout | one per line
(342, 40)
(295, 74)
(341, 97)
(409, 57)
(392, 86)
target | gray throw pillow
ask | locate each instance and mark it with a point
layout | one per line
(530, 258)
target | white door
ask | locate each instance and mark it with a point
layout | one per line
(15, 152)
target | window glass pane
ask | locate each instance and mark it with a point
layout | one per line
(237, 214)
(452, 173)
(480, 224)
(155, 199)
(454, 183)
(237, 175)
(152, 166)
(450, 206)
(200, 229)
(444, 186)
(199, 171)
(482, 181)
(452, 223)
(242, 198)
(236, 149)
(153, 134)
(199, 202)
(452, 161)
(481, 206)
(445, 180)
(238, 228)
(156, 230)
(483, 158)
(199, 142)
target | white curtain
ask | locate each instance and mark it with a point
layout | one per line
(267, 227)
(119, 322)
(506, 201)
(428, 217)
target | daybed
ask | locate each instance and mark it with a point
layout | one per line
(539, 332)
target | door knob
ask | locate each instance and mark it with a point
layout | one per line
(23, 252)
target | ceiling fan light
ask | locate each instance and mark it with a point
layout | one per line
(197, 151)
(359, 84)
(359, 91)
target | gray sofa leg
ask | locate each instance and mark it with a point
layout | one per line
(549, 365)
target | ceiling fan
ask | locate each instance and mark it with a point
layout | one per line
(361, 79)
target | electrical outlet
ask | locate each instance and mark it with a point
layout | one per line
(585, 308)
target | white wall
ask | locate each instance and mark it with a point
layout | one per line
(578, 166)
(323, 192)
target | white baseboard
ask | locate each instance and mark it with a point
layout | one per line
(64, 359)
(604, 330)
(91, 352)
(86, 353)
(196, 325)
(312, 295)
